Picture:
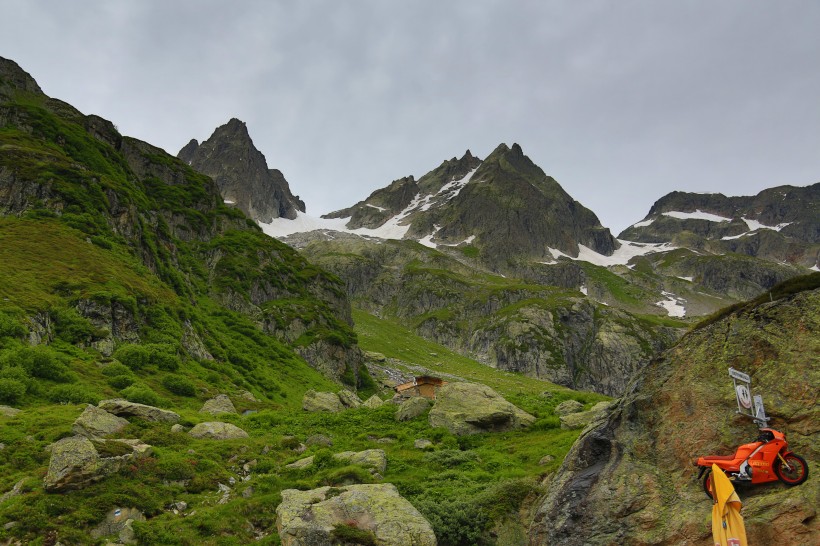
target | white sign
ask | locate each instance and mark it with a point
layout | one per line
(747, 404)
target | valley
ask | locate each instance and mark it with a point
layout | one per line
(187, 357)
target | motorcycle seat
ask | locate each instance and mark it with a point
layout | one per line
(718, 458)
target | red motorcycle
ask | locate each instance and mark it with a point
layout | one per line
(765, 460)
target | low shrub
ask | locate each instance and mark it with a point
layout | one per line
(11, 390)
(180, 385)
(72, 394)
(141, 395)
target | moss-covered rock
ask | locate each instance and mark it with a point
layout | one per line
(308, 518)
(119, 406)
(96, 422)
(471, 408)
(322, 401)
(217, 430)
(218, 405)
(412, 408)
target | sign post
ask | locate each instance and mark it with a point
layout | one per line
(751, 406)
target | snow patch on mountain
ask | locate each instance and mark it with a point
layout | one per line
(673, 305)
(697, 215)
(453, 188)
(753, 226)
(644, 223)
(621, 256)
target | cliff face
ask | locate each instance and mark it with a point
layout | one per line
(629, 478)
(242, 173)
(548, 332)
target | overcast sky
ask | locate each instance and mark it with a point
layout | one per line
(620, 101)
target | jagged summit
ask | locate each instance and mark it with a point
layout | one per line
(242, 173)
(505, 207)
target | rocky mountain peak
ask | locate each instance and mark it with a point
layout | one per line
(242, 174)
(14, 78)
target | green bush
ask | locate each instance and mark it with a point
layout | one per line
(141, 395)
(10, 326)
(40, 361)
(138, 357)
(135, 357)
(450, 458)
(180, 385)
(120, 382)
(455, 522)
(73, 328)
(72, 394)
(11, 390)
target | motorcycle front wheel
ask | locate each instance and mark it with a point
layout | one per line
(797, 471)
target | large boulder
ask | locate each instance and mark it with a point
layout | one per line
(471, 408)
(373, 459)
(217, 430)
(569, 406)
(349, 399)
(218, 405)
(95, 422)
(307, 518)
(412, 408)
(76, 463)
(322, 401)
(119, 406)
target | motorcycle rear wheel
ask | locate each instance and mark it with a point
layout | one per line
(707, 483)
(799, 469)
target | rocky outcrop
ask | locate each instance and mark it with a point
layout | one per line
(242, 174)
(218, 405)
(322, 401)
(75, 462)
(95, 422)
(412, 408)
(628, 478)
(471, 408)
(308, 518)
(217, 430)
(119, 406)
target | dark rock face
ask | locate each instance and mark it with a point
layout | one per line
(242, 173)
(513, 209)
(780, 224)
(508, 209)
(13, 78)
(629, 478)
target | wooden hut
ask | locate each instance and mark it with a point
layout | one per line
(423, 385)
